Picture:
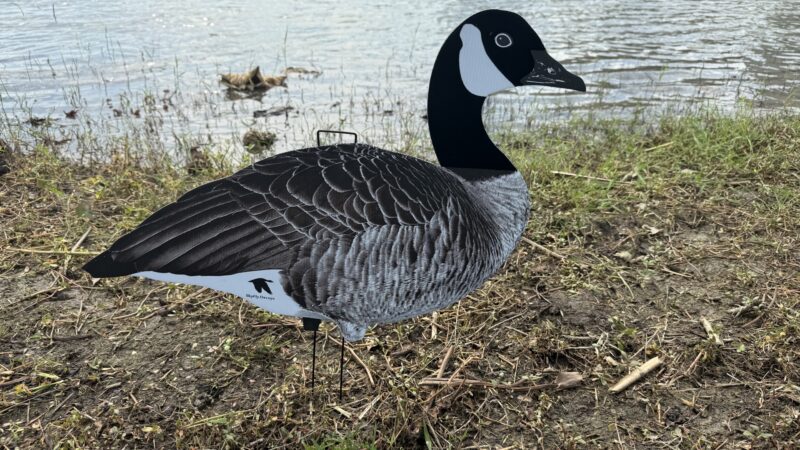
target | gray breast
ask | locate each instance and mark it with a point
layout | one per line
(390, 273)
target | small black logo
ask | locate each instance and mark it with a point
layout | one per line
(261, 284)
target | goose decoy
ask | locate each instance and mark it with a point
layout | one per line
(354, 234)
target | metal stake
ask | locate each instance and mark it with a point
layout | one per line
(312, 325)
(313, 359)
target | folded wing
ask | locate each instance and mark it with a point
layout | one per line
(259, 217)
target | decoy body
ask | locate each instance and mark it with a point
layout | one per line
(354, 234)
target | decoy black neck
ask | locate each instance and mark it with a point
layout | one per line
(454, 119)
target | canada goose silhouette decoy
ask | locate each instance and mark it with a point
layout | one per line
(354, 234)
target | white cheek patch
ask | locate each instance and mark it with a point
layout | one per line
(478, 73)
(261, 288)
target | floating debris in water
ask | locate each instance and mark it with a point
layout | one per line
(276, 111)
(302, 71)
(52, 143)
(252, 80)
(38, 121)
(71, 114)
(257, 142)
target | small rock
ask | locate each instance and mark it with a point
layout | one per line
(624, 255)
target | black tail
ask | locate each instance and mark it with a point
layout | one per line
(205, 232)
(104, 266)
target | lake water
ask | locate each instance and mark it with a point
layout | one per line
(375, 59)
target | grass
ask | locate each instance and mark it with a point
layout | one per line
(658, 225)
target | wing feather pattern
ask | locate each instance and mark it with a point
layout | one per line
(265, 215)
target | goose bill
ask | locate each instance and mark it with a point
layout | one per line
(549, 72)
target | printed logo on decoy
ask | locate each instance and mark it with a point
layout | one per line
(261, 285)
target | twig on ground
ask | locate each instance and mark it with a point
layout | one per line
(696, 359)
(630, 291)
(79, 337)
(366, 369)
(710, 331)
(75, 248)
(342, 412)
(55, 410)
(13, 382)
(53, 293)
(753, 321)
(52, 290)
(665, 144)
(635, 375)
(543, 248)
(564, 380)
(675, 273)
(445, 360)
(81, 239)
(51, 252)
(369, 406)
(461, 367)
(575, 175)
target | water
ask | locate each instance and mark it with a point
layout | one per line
(375, 58)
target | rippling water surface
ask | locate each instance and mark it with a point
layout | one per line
(375, 58)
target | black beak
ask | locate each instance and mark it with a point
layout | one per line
(549, 72)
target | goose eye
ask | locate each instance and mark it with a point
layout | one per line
(503, 40)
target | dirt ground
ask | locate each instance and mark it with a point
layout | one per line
(633, 244)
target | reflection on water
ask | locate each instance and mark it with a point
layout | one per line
(375, 59)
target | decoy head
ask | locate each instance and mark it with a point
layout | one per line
(499, 50)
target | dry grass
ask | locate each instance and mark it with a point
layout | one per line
(677, 241)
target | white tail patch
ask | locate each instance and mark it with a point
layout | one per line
(478, 73)
(260, 287)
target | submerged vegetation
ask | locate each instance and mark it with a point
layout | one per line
(675, 239)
